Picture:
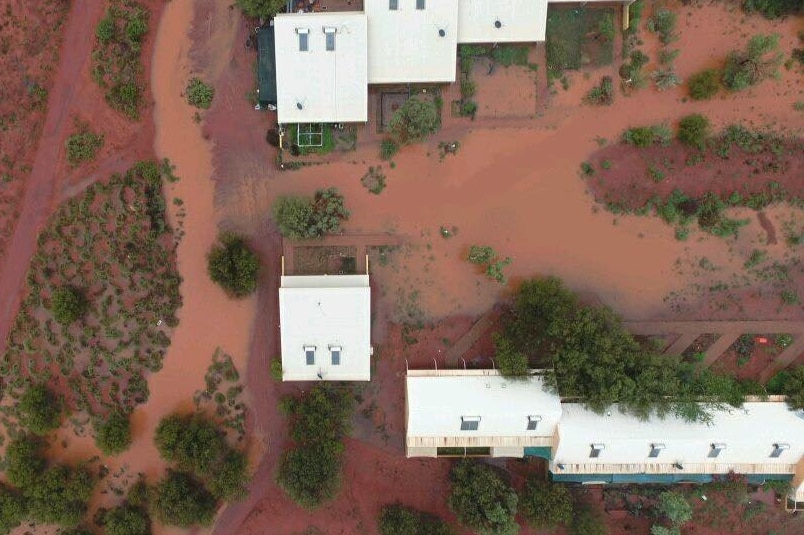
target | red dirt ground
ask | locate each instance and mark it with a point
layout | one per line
(51, 180)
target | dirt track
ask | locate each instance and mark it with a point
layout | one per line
(42, 193)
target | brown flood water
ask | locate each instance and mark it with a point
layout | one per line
(208, 319)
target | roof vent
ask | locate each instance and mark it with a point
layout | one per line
(442, 32)
(497, 24)
(299, 105)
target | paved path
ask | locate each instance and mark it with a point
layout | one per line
(716, 349)
(471, 336)
(785, 358)
(681, 327)
(683, 342)
(42, 189)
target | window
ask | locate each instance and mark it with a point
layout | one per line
(533, 422)
(715, 449)
(309, 354)
(470, 423)
(596, 450)
(419, 4)
(330, 35)
(393, 5)
(304, 42)
(655, 450)
(778, 449)
(335, 353)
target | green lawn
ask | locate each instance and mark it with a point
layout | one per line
(327, 141)
(579, 37)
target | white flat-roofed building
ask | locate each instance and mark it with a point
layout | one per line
(321, 67)
(452, 409)
(325, 326)
(412, 41)
(502, 21)
(760, 439)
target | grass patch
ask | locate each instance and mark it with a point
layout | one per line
(116, 57)
(579, 37)
(83, 145)
(374, 180)
(326, 139)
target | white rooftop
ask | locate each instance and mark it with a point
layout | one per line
(502, 21)
(325, 324)
(747, 436)
(317, 85)
(438, 403)
(411, 45)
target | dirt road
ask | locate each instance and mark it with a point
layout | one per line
(42, 191)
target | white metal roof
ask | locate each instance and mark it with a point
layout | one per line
(328, 86)
(749, 435)
(502, 21)
(438, 400)
(325, 312)
(406, 46)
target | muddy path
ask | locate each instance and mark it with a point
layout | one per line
(42, 188)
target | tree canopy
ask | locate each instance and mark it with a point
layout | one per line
(39, 409)
(68, 305)
(397, 519)
(481, 500)
(414, 120)
(181, 500)
(546, 505)
(233, 266)
(261, 8)
(302, 218)
(113, 434)
(127, 520)
(13, 508)
(60, 495)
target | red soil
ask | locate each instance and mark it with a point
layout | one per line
(51, 180)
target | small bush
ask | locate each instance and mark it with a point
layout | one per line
(180, 500)
(645, 136)
(114, 433)
(414, 120)
(276, 369)
(773, 9)
(663, 22)
(39, 410)
(233, 266)
(749, 67)
(397, 519)
(693, 131)
(546, 505)
(481, 500)
(388, 148)
(602, 94)
(665, 78)
(261, 9)
(588, 520)
(704, 85)
(68, 305)
(481, 254)
(83, 147)
(199, 94)
(303, 218)
(126, 520)
(25, 460)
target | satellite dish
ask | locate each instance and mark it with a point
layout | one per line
(442, 32)
(497, 24)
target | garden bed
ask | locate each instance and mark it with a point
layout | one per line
(579, 37)
(324, 260)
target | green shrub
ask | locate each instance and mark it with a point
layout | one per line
(588, 520)
(126, 520)
(495, 270)
(233, 266)
(396, 519)
(262, 9)
(126, 97)
(481, 500)
(546, 505)
(704, 85)
(601, 94)
(228, 480)
(82, 147)
(13, 509)
(113, 434)
(693, 130)
(665, 78)
(68, 304)
(388, 148)
(25, 460)
(414, 120)
(663, 22)
(191, 441)
(276, 369)
(199, 94)
(791, 384)
(749, 67)
(675, 507)
(39, 410)
(105, 30)
(667, 57)
(511, 363)
(468, 108)
(180, 500)
(773, 9)
(303, 218)
(645, 136)
(481, 254)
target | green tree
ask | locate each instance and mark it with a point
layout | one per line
(39, 410)
(512, 363)
(397, 519)
(199, 94)
(588, 520)
(233, 266)
(675, 507)
(311, 474)
(414, 120)
(180, 500)
(293, 216)
(774, 9)
(191, 441)
(113, 433)
(693, 130)
(68, 305)
(481, 500)
(704, 85)
(793, 388)
(127, 520)
(261, 8)
(329, 210)
(229, 478)
(60, 495)
(546, 505)
(25, 460)
(745, 68)
(13, 508)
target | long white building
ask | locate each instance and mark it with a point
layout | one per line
(480, 413)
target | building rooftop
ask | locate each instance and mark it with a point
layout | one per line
(502, 21)
(412, 45)
(325, 324)
(478, 403)
(321, 67)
